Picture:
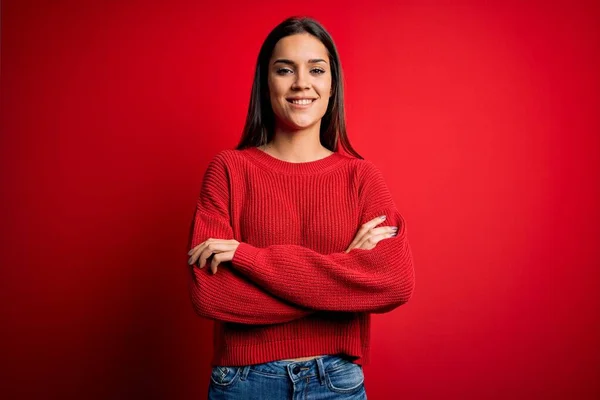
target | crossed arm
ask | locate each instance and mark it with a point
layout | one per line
(255, 289)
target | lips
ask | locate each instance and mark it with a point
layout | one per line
(301, 101)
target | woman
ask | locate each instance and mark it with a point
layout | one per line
(303, 242)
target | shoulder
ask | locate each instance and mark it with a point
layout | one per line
(225, 160)
(219, 167)
(225, 156)
(369, 182)
(364, 171)
(366, 168)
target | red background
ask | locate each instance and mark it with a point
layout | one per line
(484, 119)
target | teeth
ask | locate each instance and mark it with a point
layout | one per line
(302, 102)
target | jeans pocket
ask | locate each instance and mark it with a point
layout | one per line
(345, 378)
(224, 376)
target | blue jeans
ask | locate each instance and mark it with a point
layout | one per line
(328, 377)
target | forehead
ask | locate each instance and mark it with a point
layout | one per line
(299, 47)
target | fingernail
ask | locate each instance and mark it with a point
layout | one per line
(383, 217)
(395, 228)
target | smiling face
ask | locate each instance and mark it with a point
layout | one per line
(299, 81)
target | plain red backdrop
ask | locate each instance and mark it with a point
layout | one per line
(483, 117)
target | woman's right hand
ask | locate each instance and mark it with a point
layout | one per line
(368, 236)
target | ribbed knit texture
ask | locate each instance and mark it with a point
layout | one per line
(291, 290)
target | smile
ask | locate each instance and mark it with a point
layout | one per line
(301, 103)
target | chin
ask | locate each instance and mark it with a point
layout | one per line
(301, 125)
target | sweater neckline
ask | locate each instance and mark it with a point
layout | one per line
(310, 167)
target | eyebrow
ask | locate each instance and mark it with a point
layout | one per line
(290, 62)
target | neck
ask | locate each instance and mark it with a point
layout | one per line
(297, 145)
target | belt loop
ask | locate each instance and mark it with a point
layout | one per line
(321, 370)
(245, 371)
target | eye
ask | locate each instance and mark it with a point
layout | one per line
(318, 71)
(283, 71)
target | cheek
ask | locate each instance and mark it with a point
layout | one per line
(276, 104)
(276, 95)
(325, 88)
(324, 91)
(275, 88)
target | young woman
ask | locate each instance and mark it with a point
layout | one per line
(302, 242)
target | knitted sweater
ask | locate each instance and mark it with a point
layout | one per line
(291, 290)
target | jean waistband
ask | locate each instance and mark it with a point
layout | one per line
(296, 369)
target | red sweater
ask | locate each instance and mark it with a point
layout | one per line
(291, 290)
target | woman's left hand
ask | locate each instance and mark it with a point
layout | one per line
(222, 249)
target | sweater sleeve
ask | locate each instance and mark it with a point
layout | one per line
(228, 296)
(376, 280)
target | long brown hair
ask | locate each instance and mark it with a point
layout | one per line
(260, 120)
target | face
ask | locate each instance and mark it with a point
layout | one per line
(299, 81)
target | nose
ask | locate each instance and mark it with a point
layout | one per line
(302, 80)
